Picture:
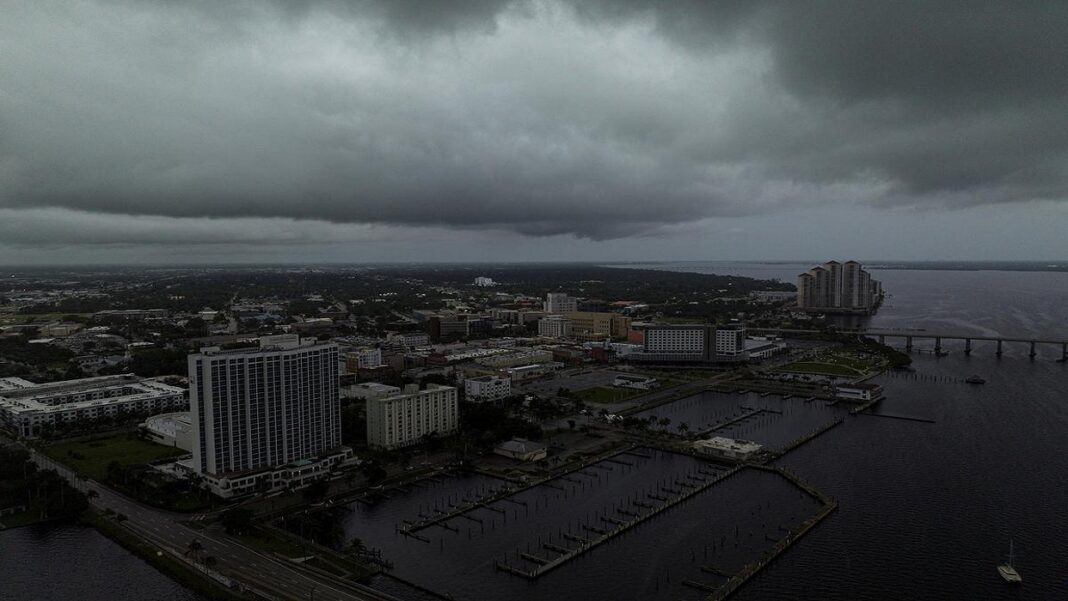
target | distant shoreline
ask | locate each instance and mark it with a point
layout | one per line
(884, 266)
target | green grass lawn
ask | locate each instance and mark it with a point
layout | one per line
(91, 456)
(606, 394)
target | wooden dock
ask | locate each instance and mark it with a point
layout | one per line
(586, 544)
(810, 436)
(792, 535)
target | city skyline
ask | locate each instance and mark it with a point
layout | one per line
(367, 131)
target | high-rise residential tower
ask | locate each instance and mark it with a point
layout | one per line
(838, 288)
(263, 407)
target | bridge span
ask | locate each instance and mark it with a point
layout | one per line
(909, 336)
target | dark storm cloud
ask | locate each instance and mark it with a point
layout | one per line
(598, 119)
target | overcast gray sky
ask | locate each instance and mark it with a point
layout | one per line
(141, 131)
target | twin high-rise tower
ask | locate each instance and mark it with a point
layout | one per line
(838, 288)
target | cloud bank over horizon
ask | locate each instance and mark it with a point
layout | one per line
(595, 125)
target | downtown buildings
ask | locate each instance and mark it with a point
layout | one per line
(267, 416)
(838, 288)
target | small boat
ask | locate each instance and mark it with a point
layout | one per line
(1008, 571)
(975, 380)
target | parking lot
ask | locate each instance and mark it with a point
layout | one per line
(573, 380)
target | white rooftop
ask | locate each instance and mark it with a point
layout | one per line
(17, 398)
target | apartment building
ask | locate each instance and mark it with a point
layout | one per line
(835, 287)
(398, 418)
(264, 406)
(26, 408)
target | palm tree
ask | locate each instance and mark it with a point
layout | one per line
(356, 546)
(193, 549)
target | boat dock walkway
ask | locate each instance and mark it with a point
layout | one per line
(810, 436)
(546, 565)
(827, 507)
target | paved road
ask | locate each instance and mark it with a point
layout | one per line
(267, 576)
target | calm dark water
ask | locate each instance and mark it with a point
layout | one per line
(926, 510)
(47, 563)
(725, 526)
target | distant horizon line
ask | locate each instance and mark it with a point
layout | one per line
(1055, 263)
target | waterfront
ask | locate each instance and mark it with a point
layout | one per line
(727, 525)
(67, 562)
(926, 510)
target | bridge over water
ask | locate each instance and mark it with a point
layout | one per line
(909, 336)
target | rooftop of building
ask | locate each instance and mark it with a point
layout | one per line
(730, 444)
(265, 344)
(489, 378)
(37, 397)
(521, 445)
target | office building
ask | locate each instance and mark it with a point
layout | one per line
(587, 326)
(449, 325)
(399, 418)
(838, 288)
(560, 302)
(362, 359)
(263, 407)
(555, 326)
(484, 282)
(487, 389)
(27, 408)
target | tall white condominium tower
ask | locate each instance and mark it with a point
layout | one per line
(265, 406)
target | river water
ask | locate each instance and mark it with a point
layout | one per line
(60, 563)
(926, 510)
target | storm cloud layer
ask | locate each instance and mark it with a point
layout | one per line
(240, 122)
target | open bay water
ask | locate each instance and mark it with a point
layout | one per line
(61, 563)
(926, 510)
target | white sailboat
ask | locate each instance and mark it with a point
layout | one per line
(1008, 570)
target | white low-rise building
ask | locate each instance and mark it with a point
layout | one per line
(522, 449)
(524, 373)
(858, 392)
(293, 476)
(26, 408)
(487, 389)
(170, 429)
(762, 348)
(728, 448)
(505, 358)
(399, 418)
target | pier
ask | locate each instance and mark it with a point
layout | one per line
(792, 535)
(587, 544)
(810, 436)
(751, 412)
